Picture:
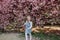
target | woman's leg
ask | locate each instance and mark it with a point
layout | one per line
(30, 36)
(26, 36)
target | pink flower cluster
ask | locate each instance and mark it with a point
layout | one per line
(41, 11)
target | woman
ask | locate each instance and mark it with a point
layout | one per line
(28, 26)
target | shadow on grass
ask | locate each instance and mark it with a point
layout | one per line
(43, 36)
(0, 33)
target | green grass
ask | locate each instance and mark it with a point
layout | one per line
(43, 36)
(0, 32)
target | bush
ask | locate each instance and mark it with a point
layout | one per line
(42, 12)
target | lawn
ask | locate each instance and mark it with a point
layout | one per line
(43, 36)
(35, 36)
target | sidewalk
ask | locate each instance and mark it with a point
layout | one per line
(12, 36)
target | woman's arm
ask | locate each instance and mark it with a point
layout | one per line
(30, 25)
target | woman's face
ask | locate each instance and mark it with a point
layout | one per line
(28, 18)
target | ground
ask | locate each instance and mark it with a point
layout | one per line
(42, 36)
(12, 36)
